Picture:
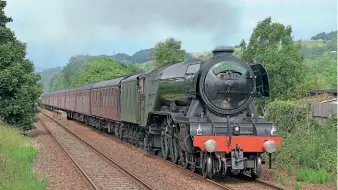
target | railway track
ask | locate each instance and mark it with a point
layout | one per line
(223, 185)
(256, 182)
(76, 164)
(105, 174)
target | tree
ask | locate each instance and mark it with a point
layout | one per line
(75, 64)
(271, 44)
(242, 45)
(58, 82)
(168, 52)
(19, 88)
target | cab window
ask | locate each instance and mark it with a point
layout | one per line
(192, 69)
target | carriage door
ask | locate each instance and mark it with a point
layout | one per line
(141, 100)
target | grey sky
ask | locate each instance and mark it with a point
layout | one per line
(57, 29)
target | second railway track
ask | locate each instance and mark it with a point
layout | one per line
(105, 173)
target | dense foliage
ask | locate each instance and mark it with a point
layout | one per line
(102, 69)
(168, 52)
(81, 72)
(321, 72)
(19, 88)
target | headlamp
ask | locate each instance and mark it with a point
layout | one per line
(210, 145)
(270, 146)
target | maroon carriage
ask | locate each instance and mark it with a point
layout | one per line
(105, 99)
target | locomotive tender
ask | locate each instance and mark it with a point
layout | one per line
(196, 113)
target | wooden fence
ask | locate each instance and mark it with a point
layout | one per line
(321, 111)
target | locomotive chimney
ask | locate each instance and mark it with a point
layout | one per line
(223, 51)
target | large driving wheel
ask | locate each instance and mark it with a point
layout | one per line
(207, 165)
(164, 147)
(256, 172)
(174, 150)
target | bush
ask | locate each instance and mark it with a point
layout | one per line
(286, 114)
(306, 145)
(16, 156)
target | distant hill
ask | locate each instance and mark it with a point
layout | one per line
(38, 69)
(46, 75)
(325, 36)
(141, 56)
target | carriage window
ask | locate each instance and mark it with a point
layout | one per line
(109, 97)
(106, 97)
(192, 69)
(103, 97)
(97, 98)
(94, 97)
(141, 84)
(113, 97)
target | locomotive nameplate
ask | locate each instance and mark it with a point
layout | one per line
(224, 66)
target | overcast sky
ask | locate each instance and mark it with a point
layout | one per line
(55, 30)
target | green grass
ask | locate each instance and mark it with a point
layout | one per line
(16, 156)
(281, 180)
(312, 176)
(297, 185)
(311, 43)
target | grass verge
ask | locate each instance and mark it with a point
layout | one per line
(16, 156)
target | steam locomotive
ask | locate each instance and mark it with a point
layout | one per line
(197, 113)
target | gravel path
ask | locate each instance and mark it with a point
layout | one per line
(101, 172)
(55, 164)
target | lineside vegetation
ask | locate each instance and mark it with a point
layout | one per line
(16, 157)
